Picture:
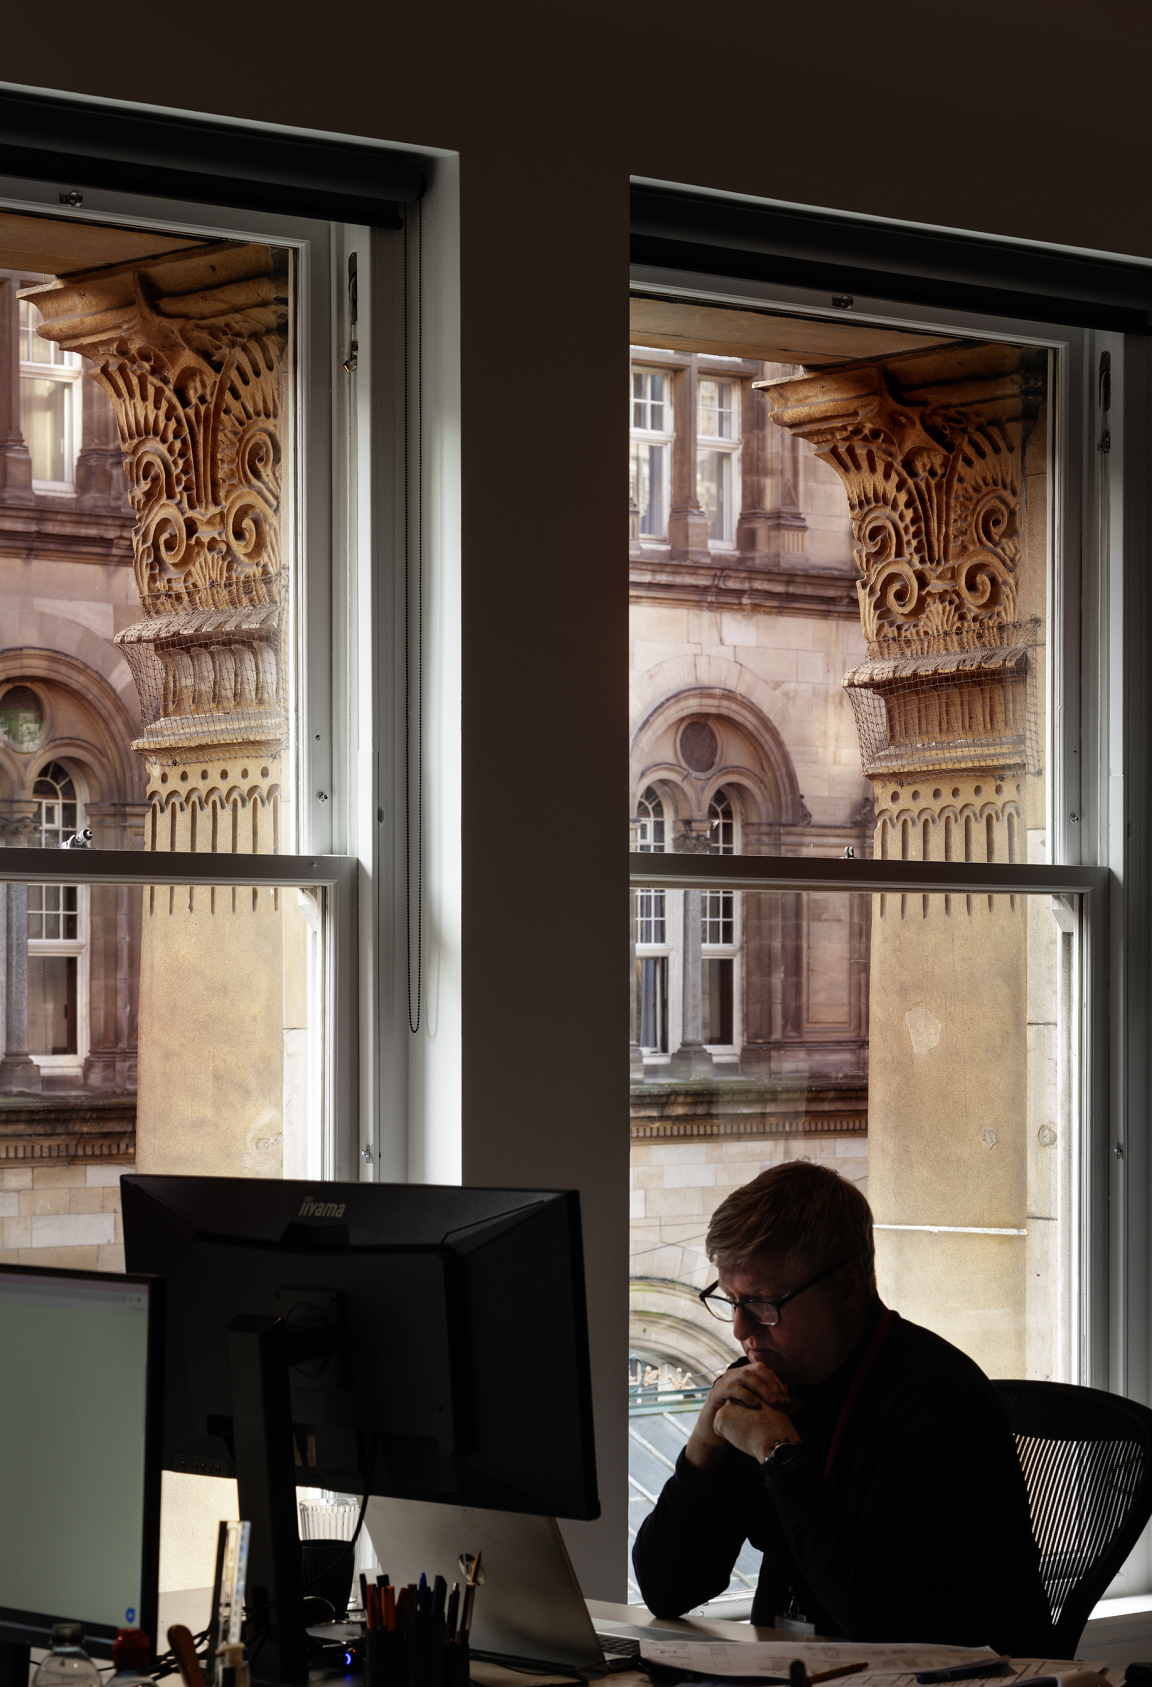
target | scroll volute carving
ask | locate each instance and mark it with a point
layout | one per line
(929, 446)
(190, 348)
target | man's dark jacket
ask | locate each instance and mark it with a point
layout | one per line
(920, 1532)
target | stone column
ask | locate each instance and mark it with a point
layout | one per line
(189, 350)
(692, 1059)
(687, 523)
(931, 448)
(19, 1073)
(114, 948)
(771, 520)
(15, 458)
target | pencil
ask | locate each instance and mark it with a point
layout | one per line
(841, 1669)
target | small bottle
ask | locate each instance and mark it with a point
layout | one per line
(131, 1656)
(67, 1664)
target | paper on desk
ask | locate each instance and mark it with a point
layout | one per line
(772, 1657)
(889, 1665)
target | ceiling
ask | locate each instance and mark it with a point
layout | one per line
(815, 342)
(56, 246)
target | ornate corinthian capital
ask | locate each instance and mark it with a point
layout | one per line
(189, 348)
(929, 446)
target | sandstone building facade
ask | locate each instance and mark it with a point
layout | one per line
(68, 715)
(749, 1010)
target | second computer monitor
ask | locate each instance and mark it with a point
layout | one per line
(443, 1330)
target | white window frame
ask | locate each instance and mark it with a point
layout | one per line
(665, 438)
(1099, 796)
(80, 947)
(728, 449)
(390, 1105)
(69, 375)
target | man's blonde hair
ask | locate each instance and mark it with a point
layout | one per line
(811, 1212)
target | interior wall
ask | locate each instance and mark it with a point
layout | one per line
(1025, 120)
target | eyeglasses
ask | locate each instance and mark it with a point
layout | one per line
(759, 1307)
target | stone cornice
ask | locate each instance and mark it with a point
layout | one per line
(733, 586)
(60, 530)
(747, 1108)
(67, 1128)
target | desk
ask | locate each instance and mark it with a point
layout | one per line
(491, 1675)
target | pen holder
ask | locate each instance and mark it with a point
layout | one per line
(425, 1649)
(456, 1663)
(380, 1659)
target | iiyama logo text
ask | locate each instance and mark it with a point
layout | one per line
(320, 1209)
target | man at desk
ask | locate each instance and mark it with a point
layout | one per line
(869, 1460)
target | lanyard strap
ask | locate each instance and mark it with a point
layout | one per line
(870, 1355)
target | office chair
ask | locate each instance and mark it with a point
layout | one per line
(1087, 1462)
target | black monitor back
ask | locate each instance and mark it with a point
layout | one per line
(442, 1332)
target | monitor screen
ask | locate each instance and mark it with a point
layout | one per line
(79, 1467)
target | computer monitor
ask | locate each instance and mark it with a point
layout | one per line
(79, 1456)
(394, 1339)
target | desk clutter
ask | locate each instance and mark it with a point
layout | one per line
(417, 1636)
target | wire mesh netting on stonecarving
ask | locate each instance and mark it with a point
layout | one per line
(208, 667)
(942, 703)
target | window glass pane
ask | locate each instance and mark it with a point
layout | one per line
(845, 647)
(46, 422)
(707, 401)
(32, 346)
(649, 492)
(52, 1004)
(714, 490)
(110, 1047)
(146, 688)
(924, 1048)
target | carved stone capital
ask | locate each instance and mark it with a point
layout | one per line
(189, 349)
(929, 446)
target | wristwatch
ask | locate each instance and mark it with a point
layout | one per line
(780, 1456)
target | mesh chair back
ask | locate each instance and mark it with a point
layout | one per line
(1087, 1462)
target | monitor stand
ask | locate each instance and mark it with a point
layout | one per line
(259, 1355)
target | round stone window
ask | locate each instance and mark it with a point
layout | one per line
(699, 746)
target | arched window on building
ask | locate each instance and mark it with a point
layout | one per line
(652, 934)
(58, 938)
(719, 938)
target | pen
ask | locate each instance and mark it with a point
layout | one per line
(797, 1673)
(832, 1674)
(364, 1594)
(453, 1609)
(964, 1672)
(439, 1595)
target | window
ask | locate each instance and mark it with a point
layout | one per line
(854, 723)
(650, 822)
(50, 407)
(651, 450)
(717, 464)
(57, 937)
